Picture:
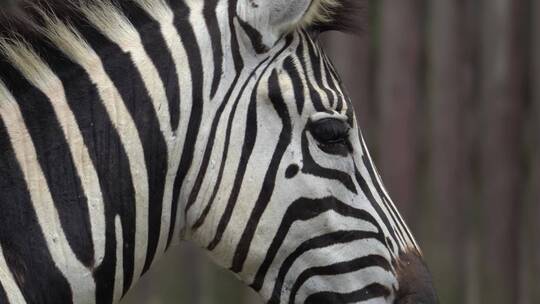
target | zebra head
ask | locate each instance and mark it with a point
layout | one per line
(126, 124)
(298, 211)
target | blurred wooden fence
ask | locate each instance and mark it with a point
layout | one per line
(448, 95)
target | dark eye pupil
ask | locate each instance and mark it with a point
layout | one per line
(329, 130)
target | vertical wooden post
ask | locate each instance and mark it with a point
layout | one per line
(535, 183)
(502, 99)
(398, 95)
(449, 142)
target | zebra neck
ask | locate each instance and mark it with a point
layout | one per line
(116, 114)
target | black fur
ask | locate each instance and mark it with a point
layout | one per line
(21, 18)
(350, 17)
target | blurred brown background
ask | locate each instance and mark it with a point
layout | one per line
(448, 95)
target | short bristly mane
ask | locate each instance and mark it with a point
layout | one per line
(336, 15)
(19, 16)
(28, 18)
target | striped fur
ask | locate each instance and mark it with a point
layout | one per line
(127, 127)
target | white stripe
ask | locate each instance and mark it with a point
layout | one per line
(79, 51)
(161, 12)
(311, 74)
(117, 27)
(7, 280)
(79, 277)
(326, 83)
(202, 37)
(306, 111)
(39, 74)
(113, 24)
(119, 271)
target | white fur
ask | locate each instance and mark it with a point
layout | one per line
(336, 254)
(39, 74)
(79, 277)
(162, 13)
(272, 18)
(119, 271)
(320, 11)
(113, 24)
(348, 283)
(302, 231)
(71, 43)
(7, 280)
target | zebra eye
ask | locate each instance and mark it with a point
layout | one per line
(330, 131)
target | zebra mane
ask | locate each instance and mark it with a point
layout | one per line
(336, 15)
(22, 17)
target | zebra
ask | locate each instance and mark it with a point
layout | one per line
(128, 126)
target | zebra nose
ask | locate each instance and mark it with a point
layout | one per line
(415, 281)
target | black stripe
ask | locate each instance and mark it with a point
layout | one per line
(314, 94)
(372, 291)
(384, 196)
(235, 47)
(249, 142)
(155, 46)
(112, 167)
(334, 83)
(337, 269)
(210, 145)
(181, 21)
(212, 24)
(21, 238)
(297, 83)
(247, 148)
(139, 104)
(367, 192)
(57, 163)
(254, 36)
(310, 166)
(321, 72)
(3, 295)
(302, 210)
(326, 240)
(118, 65)
(391, 209)
(276, 97)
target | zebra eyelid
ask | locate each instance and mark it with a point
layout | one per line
(325, 115)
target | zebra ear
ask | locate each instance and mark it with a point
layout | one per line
(272, 18)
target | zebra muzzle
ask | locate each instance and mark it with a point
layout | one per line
(415, 281)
